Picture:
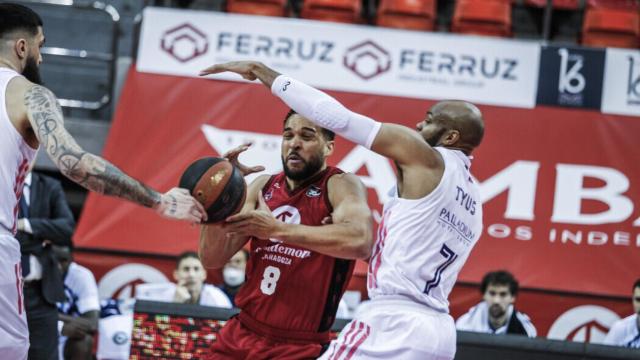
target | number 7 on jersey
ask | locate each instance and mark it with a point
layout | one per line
(450, 257)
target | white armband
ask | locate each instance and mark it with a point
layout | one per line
(325, 111)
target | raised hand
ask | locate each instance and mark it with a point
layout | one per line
(243, 68)
(178, 204)
(232, 156)
(249, 70)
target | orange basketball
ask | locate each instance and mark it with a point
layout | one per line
(217, 185)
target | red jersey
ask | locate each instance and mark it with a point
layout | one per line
(292, 292)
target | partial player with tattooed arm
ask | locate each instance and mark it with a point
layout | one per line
(428, 227)
(30, 116)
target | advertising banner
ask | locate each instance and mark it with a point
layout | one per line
(344, 57)
(560, 185)
(571, 77)
(621, 94)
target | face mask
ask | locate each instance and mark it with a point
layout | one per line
(233, 276)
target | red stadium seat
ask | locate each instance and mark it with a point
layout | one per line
(606, 27)
(258, 7)
(344, 11)
(557, 4)
(614, 4)
(407, 14)
(482, 17)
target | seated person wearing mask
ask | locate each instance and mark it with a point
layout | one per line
(233, 274)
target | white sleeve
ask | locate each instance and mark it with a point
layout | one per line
(325, 111)
(527, 324)
(212, 296)
(463, 323)
(88, 292)
(614, 336)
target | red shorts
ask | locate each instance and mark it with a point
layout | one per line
(235, 341)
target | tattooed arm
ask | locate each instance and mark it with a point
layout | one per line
(93, 172)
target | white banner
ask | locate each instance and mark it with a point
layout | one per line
(342, 57)
(621, 89)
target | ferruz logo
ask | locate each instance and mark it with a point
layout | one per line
(586, 323)
(120, 338)
(184, 42)
(367, 60)
(314, 191)
(579, 80)
(633, 81)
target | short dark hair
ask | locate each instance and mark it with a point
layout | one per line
(326, 133)
(500, 277)
(186, 255)
(636, 285)
(15, 17)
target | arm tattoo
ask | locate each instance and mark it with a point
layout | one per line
(86, 169)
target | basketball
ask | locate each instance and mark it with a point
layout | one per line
(217, 185)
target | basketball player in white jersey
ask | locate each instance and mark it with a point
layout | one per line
(428, 227)
(30, 116)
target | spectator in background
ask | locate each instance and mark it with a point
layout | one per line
(79, 313)
(233, 274)
(44, 218)
(626, 332)
(497, 314)
(189, 288)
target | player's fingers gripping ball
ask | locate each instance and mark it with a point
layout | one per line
(217, 185)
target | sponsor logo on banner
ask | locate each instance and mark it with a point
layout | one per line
(184, 42)
(621, 94)
(586, 323)
(578, 82)
(367, 60)
(121, 281)
(343, 57)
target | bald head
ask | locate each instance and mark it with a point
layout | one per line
(462, 121)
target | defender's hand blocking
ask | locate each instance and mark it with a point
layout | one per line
(232, 156)
(178, 204)
(243, 68)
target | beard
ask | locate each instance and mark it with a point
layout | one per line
(32, 72)
(496, 311)
(311, 166)
(434, 139)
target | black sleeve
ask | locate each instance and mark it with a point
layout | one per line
(58, 227)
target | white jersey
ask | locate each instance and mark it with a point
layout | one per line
(81, 291)
(15, 157)
(210, 295)
(423, 243)
(625, 333)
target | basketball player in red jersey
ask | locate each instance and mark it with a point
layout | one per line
(298, 268)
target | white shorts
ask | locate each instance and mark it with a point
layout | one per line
(14, 333)
(395, 329)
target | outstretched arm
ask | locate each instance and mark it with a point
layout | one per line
(348, 237)
(93, 172)
(327, 112)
